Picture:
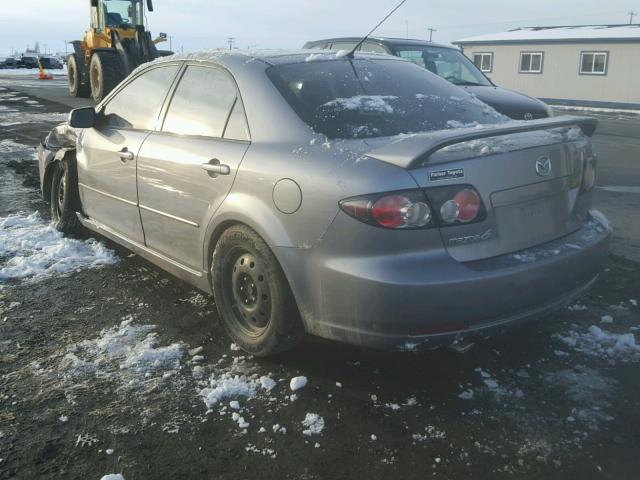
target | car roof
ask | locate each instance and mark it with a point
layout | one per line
(392, 41)
(269, 57)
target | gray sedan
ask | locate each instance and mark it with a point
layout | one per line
(357, 198)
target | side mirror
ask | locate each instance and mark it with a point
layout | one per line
(150, 5)
(83, 117)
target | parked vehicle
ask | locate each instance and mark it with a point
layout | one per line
(27, 61)
(450, 63)
(7, 62)
(50, 63)
(331, 196)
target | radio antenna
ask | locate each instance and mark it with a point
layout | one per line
(352, 52)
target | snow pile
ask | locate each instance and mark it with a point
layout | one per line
(227, 385)
(596, 342)
(314, 424)
(267, 383)
(297, 383)
(363, 103)
(31, 248)
(492, 386)
(431, 433)
(128, 347)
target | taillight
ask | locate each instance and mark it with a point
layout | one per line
(588, 174)
(463, 207)
(412, 209)
(397, 210)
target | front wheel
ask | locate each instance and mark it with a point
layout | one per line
(64, 198)
(105, 73)
(76, 87)
(253, 297)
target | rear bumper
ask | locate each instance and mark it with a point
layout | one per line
(403, 301)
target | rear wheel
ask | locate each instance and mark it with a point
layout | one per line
(253, 297)
(64, 198)
(105, 73)
(76, 87)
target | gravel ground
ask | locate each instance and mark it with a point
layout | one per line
(109, 365)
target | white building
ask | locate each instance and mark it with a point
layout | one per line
(597, 65)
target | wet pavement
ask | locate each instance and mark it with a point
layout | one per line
(101, 369)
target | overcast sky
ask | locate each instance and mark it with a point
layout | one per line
(196, 24)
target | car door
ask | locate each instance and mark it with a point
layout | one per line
(107, 153)
(186, 169)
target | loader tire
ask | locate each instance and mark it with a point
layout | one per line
(105, 73)
(76, 87)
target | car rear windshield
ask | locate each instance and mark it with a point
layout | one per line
(360, 98)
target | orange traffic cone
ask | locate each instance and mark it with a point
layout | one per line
(42, 75)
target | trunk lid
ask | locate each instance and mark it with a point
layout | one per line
(529, 182)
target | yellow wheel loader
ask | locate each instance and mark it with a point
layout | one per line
(112, 48)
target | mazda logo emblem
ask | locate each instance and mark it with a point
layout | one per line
(528, 116)
(543, 166)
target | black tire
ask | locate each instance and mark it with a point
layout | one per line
(105, 72)
(64, 197)
(252, 295)
(76, 87)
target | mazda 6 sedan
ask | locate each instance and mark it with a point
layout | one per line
(358, 198)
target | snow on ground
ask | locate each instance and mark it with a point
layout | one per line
(10, 118)
(596, 342)
(590, 392)
(32, 248)
(297, 383)
(127, 347)
(314, 424)
(112, 476)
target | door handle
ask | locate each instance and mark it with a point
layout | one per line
(215, 168)
(125, 154)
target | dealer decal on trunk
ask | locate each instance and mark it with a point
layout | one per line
(446, 174)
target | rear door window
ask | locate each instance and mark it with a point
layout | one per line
(138, 104)
(202, 103)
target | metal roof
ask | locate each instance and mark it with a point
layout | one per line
(559, 34)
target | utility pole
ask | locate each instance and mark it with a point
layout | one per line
(431, 30)
(231, 41)
(632, 13)
(407, 27)
(171, 43)
(65, 48)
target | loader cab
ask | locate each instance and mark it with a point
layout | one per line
(118, 14)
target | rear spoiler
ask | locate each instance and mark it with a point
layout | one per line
(414, 149)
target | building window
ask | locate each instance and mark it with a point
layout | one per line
(593, 63)
(531, 62)
(484, 61)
